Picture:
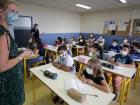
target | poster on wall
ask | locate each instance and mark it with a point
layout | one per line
(112, 25)
(122, 24)
(106, 23)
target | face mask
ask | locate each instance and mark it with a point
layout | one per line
(11, 17)
(89, 70)
(114, 44)
(90, 54)
(63, 56)
(81, 40)
(124, 53)
(125, 41)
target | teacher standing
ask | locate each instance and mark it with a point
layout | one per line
(11, 74)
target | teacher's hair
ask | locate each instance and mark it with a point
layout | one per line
(5, 3)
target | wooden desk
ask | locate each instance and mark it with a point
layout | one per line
(137, 75)
(127, 73)
(25, 65)
(52, 49)
(77, 47)
(57, 86)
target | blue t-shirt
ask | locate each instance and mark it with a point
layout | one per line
(115, 49)
(123, 59)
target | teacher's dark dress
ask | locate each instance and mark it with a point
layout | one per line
(11, 81)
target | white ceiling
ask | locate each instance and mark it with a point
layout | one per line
(95, 4)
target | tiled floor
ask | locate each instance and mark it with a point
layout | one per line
(43, 96)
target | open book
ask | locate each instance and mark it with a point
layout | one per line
(76, 84)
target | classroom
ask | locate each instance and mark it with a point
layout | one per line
(69, 52)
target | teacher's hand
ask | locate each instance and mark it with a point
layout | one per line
(26, 53)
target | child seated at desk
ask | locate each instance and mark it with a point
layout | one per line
(81, 40)
(91, 40)
(64, 61)
(59, 41)
(114, 47)
(93, 51)
(123, 60)
(94, 76)
(135, 50)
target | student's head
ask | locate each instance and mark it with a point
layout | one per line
(93, 48)
(81, 36)
(125, 40)
(36, 26)
(125, 50)
(114, 42)
(136, 46)
(9, 11)
(95, 66)
(59, 39)
(62, 49)
(91, 35)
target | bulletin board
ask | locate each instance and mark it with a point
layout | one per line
(123, 27)
(136, 27)
(117, 27)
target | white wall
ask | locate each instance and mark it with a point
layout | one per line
(51, 20)
(94, 22)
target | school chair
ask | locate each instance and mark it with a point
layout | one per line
(137, 75)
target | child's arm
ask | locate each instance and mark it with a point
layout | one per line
(65, 68)
(56, 64)
(104, 87)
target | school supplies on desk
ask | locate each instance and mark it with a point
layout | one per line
(50, 74)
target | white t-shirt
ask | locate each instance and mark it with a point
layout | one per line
(68, 61)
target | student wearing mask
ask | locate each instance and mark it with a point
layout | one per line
(11, 73)
(94, 76)
(135, 50)
(125, 42)
(93, 51)
(114, 47)
(101, 41)
(123, 60)
(64, 61)
(81, 40)
(91, 40)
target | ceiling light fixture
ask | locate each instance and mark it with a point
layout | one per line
(83, 6)
(123, 1)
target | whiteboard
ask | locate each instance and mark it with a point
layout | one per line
(23, 22)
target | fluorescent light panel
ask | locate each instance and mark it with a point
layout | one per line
(83, 6)
(123, 1)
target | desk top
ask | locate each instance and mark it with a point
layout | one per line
(58, 87)
(51, 47)
(79, 47)
(123, 71)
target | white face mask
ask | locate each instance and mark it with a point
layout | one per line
(63, 56)
(90, 54)
(114, 44)
(124, 53)
(89, 70)
(125, 41)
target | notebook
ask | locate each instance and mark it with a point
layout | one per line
(76, 84)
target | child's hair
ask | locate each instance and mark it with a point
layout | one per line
(60, 39)
(63, 47)
(126, 46)
(96, 64)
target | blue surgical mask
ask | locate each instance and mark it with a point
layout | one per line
(11, 17)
